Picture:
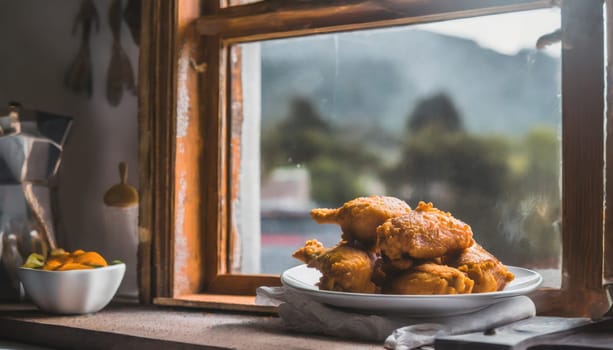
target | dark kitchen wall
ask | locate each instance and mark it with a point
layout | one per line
(37, 46)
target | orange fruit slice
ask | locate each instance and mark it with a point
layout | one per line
(73, 266)
(91, 258)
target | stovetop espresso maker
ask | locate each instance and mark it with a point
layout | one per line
(31, 144)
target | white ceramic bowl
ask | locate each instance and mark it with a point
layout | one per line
(74, 291)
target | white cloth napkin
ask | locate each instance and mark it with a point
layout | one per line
(300, 313)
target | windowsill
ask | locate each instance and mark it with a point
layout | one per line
(240, 303)
(122, 325)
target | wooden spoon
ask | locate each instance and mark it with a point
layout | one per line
(121, 195)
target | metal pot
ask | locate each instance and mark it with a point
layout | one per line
(31, 145)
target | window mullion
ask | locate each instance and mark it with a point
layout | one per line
(608, 241)
(582, 152)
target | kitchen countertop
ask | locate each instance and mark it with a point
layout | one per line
(134, 326)
(131, 326)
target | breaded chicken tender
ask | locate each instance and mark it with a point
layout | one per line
(360, 217)
(489, 274)
(424, 233)
(345, 269)
(431, 278)
(311, 250)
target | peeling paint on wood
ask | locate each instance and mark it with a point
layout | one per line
(180, 207)
(183, 100)
(181, 244)
(237, 118)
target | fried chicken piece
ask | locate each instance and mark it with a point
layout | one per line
(380, 272)
(486, 270)
(311, 250)
(431, 278)
(360, 217)
(345, 268)
(424, 233)
(385, 269)
(403, 263)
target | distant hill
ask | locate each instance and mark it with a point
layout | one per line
(375, 78)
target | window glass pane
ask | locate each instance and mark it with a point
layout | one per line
(465, 114)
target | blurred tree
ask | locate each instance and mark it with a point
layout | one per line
(461, 160)
(542, 149)
(297, 139)
(333, 183)
(437, 110)
(305, 138)
(304, 133)
(437, 150)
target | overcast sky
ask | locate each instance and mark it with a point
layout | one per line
(506, 33)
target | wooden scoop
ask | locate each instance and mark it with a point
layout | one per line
(121, 195)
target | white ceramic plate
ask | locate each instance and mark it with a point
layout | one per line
(304, 280)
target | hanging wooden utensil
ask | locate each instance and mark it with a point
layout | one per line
(121, 195)
(121, 229)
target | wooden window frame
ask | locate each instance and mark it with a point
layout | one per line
(187, 174)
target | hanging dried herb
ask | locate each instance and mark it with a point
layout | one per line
(131, 15)
(120, 73)
(78, 77)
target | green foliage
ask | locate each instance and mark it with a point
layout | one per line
(536, 200)
(305, 138)
(459, 159)
(542, 150)
(437, 110)
(333, 182)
